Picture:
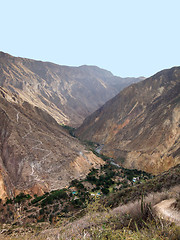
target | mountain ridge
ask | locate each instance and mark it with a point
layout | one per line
(69, 94)
(128, 124)
(36, 153)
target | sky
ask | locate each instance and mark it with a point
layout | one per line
(127, 37)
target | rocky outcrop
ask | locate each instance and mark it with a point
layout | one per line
(140, 126)
(36, 153)
(69, 94)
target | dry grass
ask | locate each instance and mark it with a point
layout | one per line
(123, 219)
(152, 231)
(129, 221)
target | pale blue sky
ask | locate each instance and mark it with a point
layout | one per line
(127, 37)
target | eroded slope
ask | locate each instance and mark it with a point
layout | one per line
(69, 94)
(140, 126)
(36, 154)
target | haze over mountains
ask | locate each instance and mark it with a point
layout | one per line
(69, 94)
(140, 126)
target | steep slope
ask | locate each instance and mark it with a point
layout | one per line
(69, 94)
(36, 154)
(140, 126)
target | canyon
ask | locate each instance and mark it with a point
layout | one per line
(36, 154)
(68, 94)
(139, 127)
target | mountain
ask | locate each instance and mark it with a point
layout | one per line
(69, 94)
(36, 153)
(140, 126)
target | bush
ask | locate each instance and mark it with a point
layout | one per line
(77, 203)
(21, 198)
(41, 212)
(9, 201)
(50, 218)
(105, 191)
(76, 183)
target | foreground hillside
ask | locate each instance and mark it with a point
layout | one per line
(134, 211)
(69, 94)
(140, 126)
(36, 153)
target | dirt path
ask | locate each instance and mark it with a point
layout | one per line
(38, 145)
(165, 211)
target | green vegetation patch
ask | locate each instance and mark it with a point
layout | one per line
(163, 181)
(71, 130)
(54, 195)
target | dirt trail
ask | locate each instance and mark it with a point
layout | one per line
(165, 211)
(38, 145)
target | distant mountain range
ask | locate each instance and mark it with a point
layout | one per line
(140, 126)
(69, 94)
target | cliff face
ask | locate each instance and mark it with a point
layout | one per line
(140, 126)
(69, 94)
(36, 154)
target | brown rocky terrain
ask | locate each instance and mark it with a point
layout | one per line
(140, 126)
(69, 94)
(36, 153)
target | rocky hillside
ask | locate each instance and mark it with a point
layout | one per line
(69, 94)
(36, 153)
(140, 126)
(71, 212)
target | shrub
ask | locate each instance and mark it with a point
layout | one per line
(9, 201)
(21, 198)
(41, 211)
(105, 191)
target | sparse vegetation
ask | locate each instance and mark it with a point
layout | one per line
(163, 181)
(64, 202)
(69, 129)
(126, 222)
(110, 219)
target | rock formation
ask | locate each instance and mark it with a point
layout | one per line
(140, 126)
(69, 94)
(36, 153)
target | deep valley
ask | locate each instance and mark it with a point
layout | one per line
(88, 155)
